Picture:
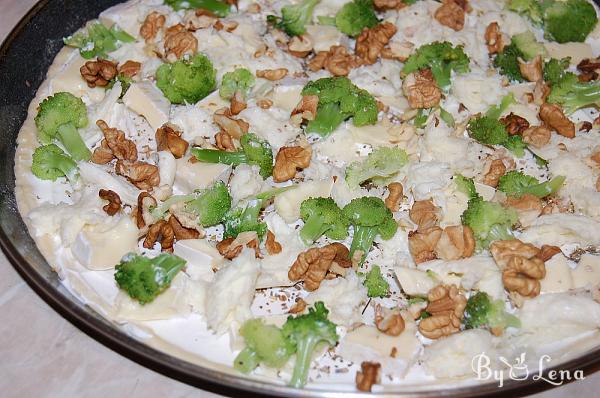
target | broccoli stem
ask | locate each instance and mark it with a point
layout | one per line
(546, 188)
(499, 232)
(327, 119)
(362, 240)
(246, 361)
(304, 351)
(313, 228)
(72, 141)
(216, 156)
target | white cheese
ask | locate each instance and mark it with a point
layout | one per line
(558, 275)
(69, 79)
(323, 37)
(201, 258)
(414, 282)
(587, 273)
(191, 176)
(147, 100)
(577, 51)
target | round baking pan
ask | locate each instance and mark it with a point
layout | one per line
(25, 56)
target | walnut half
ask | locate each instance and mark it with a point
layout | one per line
(389, 321)
(313, 264)
(446, 306)
(168, 138)
(288, 160)
(141, 174)
(450, 14)
(370, 374)
(553, 116)
(371, 42)
(421, 89)
(98, 73)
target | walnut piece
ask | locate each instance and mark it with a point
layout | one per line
(337, 61)
(298, 307)
(272, 246)
(389, 321)
(423, 242)
(264, 103)
(230, 248)
(238, 103)
(371, 41)
(224, 142)
(168, 138)
(141, 174)
(180, 43)
(515, 124)
(234, 127)
(495, 170)
(384, 5)
(395, 195)
(421, 89)
(424, 213)
(306, 109)
(528, 208)
(538, 136)
(455, 242)
(553, 116)
(153, 23)
(199, 18)
(98, 73)
(493, 38)
(503, 250)
(523, 275)
(181, 232)
(228, 26)
(288, 160)
(450, 14)
(272, 74)
(141, 213)
(114, 145)
(398, 50)
(300, 46)
(531, 70)
(446, 306)
(313, 264)
(369, 374)
(114, 201)
(130, 68)
(162, 232)
(547, 252)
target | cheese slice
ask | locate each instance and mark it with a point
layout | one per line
(558, 277)
(587, 273)
(199, 175)
(147, 100)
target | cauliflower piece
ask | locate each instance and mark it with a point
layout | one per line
(339, 147)
(167, 167)
(229, 297)
(477, 91)
(343, 297)
(193, 121)
(272, 124)
(393, 251)
(246, 182)
(342, 194)
(429, 180)
(562, 229)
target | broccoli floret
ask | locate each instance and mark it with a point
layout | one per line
(264, 344)
(379, 166)
(145, 278)
(376, 284)
(306, 332)
(489, 221)
(528, 45)
(322, 217)
(508, 63)
(240, 80)
(554, 70)
(483, 312)
(254, 151)
(49, 162)
(370, 218)
(59, 117)
(294, 17)
(244, 218)
(420, 120)
(354, 16)
(487, 130)
(516, 145)
(339, 100)
(571, 94)
(98, 40)
(187, 80)
(211, 204)
(568, 21)
(442, 58)
(466, 186)
(217, 7)
(515, 183)
(529, 8)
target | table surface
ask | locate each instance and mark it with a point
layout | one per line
(37, 344)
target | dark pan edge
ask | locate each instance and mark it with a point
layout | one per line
(207, 379)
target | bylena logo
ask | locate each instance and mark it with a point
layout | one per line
(519, 370)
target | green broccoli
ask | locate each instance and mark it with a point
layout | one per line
(529, 8)
(98, 40)
(294, 17)
(421, 118)
(487, 130)
(264, 344)
(497, 110)
(244, 218)
(354, 16)
(442, 58)
(483, 312)
(528, 45)
(489, 221)
(187, 80)
(322, 216)
(555, 70)
(217, 7)
(59, 117)
(515, 183)
(466, 186)
(571, 94)
(370, 218)
(145, 278)
(379, 166)
(254, 151)
(125, 83)
(49, 162)
(240, 80)
(211, 204)
(306, 332)
(568, 21)
(339, 100)
(507, 63)
(516, 145)
(376, 284)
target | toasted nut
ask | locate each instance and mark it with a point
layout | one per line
(451, 15)
(228, 26)
(528, 207)
(98, 73)
(522, 275)
(102, 154)
(547, 252)
(422, 243)
(540, 92)
(384, 5)
(395, 195)
(160, 232)
(504, 250)
(238, 103)
(421, 90)
(272, 246)
(399, 51)
(424, 213)
(141, 174)
(337, 61)
(114, 201)
(264, 103)
(370, 374)
(253, 8)
(531, 70)
(288, 160)
(313, 264)
(199, 18)
(495, 170)
(130, 68)
(388, 321)
(272, 74)
(230, 248)
(169, 139)
(538, 136)
(224, 142)
(306, 109)
(493, 38)
(553, 116)
(446, 306)
(371, 42)
(142, 213)
(153, 23)
(455, 242)
(589, 67)
(181, 232)
(115, 144)
(298, 307)
(515, 124)
(234, 127)
(300, 46)
(180, 43)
